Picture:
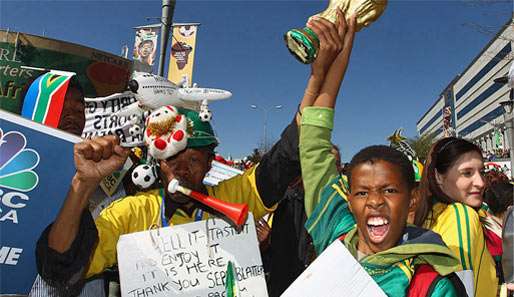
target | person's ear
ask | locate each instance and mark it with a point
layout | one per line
(414, 199)
(209, 162)
(439, 178)
(413, 205)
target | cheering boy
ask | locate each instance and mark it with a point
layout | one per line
(368, 210)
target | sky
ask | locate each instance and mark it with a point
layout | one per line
(398, 68)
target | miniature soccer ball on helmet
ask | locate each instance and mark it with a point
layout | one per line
(144, 175)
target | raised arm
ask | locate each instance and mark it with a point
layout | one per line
(64, 248)
(322, 90)
(94, 160)
(317, 161)
(266, 186)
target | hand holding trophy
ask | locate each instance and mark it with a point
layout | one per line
(304, 44)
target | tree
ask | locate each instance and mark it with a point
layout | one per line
(255, 157)
(421, 145)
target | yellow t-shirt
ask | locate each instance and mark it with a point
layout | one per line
(143, 211)
(459, 226)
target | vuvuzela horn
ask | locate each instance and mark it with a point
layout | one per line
(236, 212)
(304, 44)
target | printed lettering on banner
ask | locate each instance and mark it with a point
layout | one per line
(101, 118)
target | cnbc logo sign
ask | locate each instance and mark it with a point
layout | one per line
(17, 175)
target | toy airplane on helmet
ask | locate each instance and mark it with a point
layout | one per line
(153, 91)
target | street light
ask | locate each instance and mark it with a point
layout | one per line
(507, 105)
(265, 112)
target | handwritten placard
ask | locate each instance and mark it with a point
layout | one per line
(190, 260)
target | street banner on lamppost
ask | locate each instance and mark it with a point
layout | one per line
(182, 53)
(145, 44)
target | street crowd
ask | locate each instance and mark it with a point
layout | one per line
(441, 227)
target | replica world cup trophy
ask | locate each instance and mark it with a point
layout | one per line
(304, 44)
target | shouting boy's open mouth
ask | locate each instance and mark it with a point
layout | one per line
(378, 228)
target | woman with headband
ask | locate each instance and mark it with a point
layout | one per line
(452, 189)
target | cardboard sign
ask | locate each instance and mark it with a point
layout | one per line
(191, 260)
(111, 182)
(335, 273)
(36, 167)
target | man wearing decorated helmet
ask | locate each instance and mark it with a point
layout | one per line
(183, 153)
(75, 247)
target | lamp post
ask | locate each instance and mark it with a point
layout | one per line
(168, 7)
(265, 112)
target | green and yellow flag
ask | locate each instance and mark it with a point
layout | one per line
(231, 287)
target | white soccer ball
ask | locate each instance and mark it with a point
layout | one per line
(205, 115)
(135, 131)
(187, 31)
(144, 176)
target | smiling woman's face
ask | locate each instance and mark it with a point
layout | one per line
(463, 182)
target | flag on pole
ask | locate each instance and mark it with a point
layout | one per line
(44, 100)
(182, 53)
(231, 287)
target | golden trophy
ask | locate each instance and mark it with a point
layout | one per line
(304, 44)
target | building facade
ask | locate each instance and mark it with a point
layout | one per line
(469, 106)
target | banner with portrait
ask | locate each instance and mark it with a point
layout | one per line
(145, 45)
(182, 53)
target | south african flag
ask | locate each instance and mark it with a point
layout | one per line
(45, 98)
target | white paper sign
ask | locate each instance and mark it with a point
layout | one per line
(335, 273)
(190, 260)
(101, 119)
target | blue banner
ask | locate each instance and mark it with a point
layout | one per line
(36, 167)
